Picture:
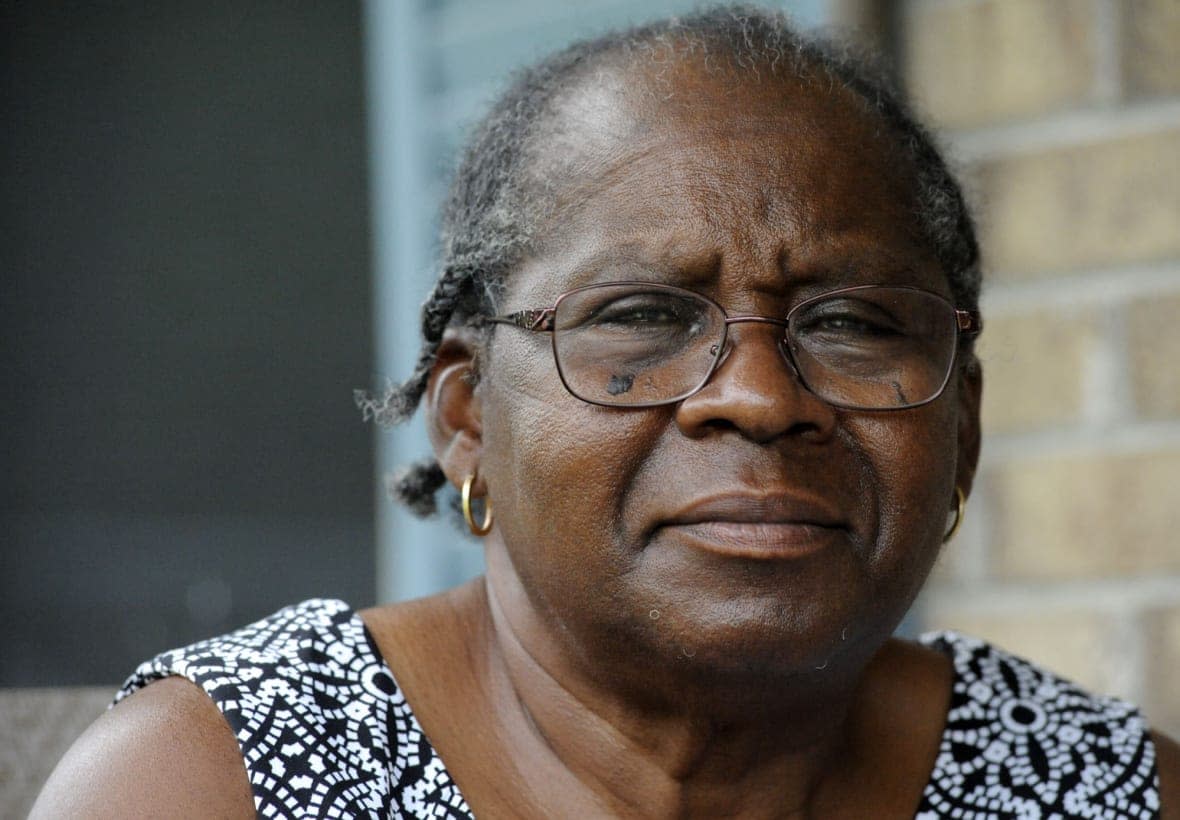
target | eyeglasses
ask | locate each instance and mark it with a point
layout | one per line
(639, 344)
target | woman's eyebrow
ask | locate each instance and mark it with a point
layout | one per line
(641, 260)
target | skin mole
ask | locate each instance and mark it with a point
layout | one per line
(620, 384)
(900, 394)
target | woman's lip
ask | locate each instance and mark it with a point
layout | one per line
(765, 541)
(757, 526)
(757, 509)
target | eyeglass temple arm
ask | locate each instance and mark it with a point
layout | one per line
(969, 321)
(538, 320)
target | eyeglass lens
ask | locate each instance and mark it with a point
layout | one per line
(863, 348)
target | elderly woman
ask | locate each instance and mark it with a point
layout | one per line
(699, 366)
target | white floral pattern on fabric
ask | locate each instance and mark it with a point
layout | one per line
(1020, 742)
(323, 727)
(325, 731)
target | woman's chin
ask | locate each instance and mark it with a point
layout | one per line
(771, 641)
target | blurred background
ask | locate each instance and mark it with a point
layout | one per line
(216, 220)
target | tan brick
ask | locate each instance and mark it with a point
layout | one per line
(1151, 34)
(1153, 337)
(1162, 696)
(1033, 367)
(970, 63)
(1082, 206)
(1087, 516)
(1084, 646)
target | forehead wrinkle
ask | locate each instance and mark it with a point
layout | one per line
(593, 129)
(706, 226)
(703, 192)
(682, 174)
(671, 166)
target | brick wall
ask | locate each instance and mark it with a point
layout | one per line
(1065, 117)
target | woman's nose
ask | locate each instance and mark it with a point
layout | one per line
(756, 391)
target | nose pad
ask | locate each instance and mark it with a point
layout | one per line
(724, 353)
(785, 351)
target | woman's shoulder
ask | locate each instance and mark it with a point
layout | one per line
(166, 751)
(1021, 735)
(286, 706)
(1168, 761)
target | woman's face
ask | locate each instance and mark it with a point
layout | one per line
(751, 526)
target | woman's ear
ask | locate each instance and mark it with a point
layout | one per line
(452, 406)
(970, 396)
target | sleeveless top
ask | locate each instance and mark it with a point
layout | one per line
(325, 731)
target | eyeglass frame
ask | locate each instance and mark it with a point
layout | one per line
(968, 323)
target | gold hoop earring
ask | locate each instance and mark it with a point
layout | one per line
(960, 509)
(476, 529)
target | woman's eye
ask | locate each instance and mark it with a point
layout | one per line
(850, 321)
(641, 315)
(854, 325)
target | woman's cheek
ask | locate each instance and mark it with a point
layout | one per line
(912, 475)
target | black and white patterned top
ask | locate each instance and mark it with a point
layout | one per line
(326, 732)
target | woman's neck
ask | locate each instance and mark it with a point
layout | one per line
(526, 732)
(687, 745)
